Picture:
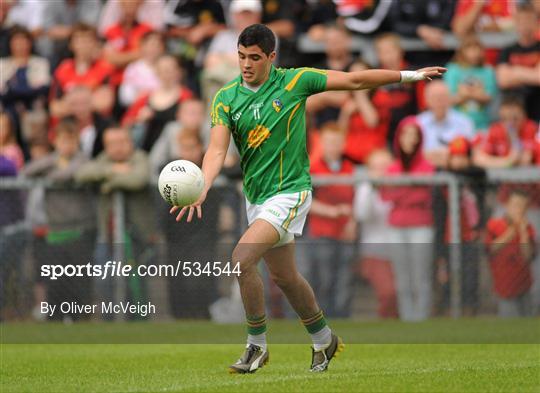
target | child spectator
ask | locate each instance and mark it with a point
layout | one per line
(411, 222)
(9, 148)
(471, 202)
(510, 141)
(332, 227)
(70, 214)
(372, 215)
(398, 98)
(123, 39)
(518, 67)
(366, 123)
(140, 76)
(154, 110)
(510, 246)
(472, 83)
(86, 68)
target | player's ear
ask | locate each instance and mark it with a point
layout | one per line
(272, 56)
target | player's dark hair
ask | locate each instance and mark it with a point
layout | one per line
(259, 35)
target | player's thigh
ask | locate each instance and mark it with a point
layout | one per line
(258, 238)
(281, 262)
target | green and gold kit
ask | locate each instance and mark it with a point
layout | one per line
(269, 129)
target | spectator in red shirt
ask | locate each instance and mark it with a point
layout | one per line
(332, 227)
(86, 68)
(123, 39)
(411, 222)
(151, 112)
(399, 99)
(511, 248)
(510, 141)
(365, 121)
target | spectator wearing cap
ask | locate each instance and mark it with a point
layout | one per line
(510, 141)
(471, 220)
(441, 123)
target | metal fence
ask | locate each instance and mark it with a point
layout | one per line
(120, 291)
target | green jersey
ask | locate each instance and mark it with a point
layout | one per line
(269, 129)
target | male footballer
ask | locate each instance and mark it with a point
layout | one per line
(264, 110)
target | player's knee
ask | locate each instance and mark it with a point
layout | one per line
(245, 259)
(284, 281)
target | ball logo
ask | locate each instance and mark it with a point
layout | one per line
(178, 169)
(167, 193)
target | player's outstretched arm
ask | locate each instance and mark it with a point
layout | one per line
(220, 137)
(369, 79)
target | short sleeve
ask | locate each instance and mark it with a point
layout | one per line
(220, 112)
(307, 81)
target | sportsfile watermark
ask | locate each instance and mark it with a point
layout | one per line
(121, 269)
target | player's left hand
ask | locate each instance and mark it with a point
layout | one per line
(431, 72)
(190, 209)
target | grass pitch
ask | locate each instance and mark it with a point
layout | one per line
(428, 367)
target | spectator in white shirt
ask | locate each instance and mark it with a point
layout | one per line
(441, 124)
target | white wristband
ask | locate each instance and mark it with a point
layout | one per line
(411, 76)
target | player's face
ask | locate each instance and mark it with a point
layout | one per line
(254, 64)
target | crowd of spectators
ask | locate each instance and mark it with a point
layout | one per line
(108, 91)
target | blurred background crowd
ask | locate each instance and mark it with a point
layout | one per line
(106, 92)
